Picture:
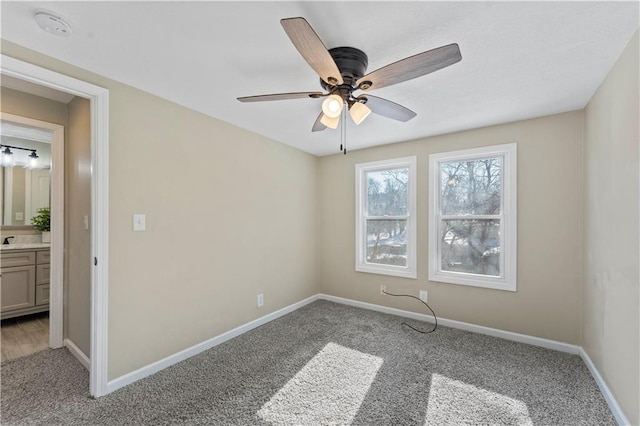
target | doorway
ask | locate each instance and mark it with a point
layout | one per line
(99, 106)
(32, 269)
(56, 205)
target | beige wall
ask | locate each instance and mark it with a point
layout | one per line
(547, 302)
(230, 214)
(36, 107)
(77, 270)
(610, 293)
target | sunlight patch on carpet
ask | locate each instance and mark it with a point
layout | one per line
(329, 389)
(452, 402)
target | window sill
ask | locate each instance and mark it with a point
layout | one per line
(385, 270)
(473, 281)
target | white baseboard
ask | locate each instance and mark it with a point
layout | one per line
(523, 338)
(157, 366)
(606, 392)
(153, 368)
(75, 351)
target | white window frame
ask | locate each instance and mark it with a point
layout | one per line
(508, 218)
(410, 270)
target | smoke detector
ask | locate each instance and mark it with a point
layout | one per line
(52, 23)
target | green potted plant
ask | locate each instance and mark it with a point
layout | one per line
(42, 222)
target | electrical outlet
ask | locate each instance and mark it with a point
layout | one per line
(383, 288)
(260, 300)
(423, 295)
(139, 222)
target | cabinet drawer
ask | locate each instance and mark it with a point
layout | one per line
(17, 289)
(43, 256)
(18, 259)
(43, 272)
(42, 295)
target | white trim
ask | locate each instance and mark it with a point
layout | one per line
(409, 271)
(27, 200)
(99, 98)
(76, 352)
(8, 189)
(153, 368)
(508, 218)
(608, 396)
(157, 366)
(100, 242)
(508, 335)
(56, 294)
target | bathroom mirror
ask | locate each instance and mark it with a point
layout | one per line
(24, 186)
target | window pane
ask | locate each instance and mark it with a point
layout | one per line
(471, 245)
(387, 241)
(471, 187)
(387, 192)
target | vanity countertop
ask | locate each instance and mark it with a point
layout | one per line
(28, 246)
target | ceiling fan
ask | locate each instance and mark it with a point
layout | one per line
(342, 72)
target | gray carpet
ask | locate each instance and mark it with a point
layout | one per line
(323, 364)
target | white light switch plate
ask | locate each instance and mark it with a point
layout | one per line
(85, 221)
(139, 222)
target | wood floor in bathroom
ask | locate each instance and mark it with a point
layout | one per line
(24, 335)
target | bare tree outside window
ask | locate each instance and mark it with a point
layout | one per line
(386, 237)
(473, 218)
(386, 216)
(470, 204)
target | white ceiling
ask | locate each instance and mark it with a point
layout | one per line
(519, 59)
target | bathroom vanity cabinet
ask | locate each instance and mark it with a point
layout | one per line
(25, 281)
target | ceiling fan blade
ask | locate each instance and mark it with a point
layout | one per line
(318, 126)
(387, 108)
(312, 49)
(411, 67)
(281, 96)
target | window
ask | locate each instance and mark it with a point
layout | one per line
(386, 217)
(472, 217)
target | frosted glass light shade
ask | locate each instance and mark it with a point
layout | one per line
(7, 157)
(33, 160)
(359, 112)
(330, 122)
(332, 106)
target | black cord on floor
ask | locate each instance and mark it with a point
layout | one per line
(425, 304)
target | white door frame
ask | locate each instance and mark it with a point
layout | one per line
(99, 98)
(57, 223)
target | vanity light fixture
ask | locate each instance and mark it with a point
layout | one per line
(33, 159)
(8, 158)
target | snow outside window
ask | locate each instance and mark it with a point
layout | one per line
(472, 217)
(386, 217)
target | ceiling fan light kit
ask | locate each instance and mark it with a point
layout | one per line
(342, 71)
(330, 122)
(359, 111)
(332, 106)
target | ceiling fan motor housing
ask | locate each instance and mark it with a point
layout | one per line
(352, 64)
